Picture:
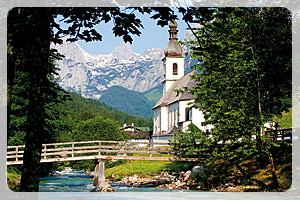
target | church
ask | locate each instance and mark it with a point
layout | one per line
(173, 111)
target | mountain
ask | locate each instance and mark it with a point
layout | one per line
(129, 101)
(154, 94)
(92, 76)
(80, 109)
(132, 102)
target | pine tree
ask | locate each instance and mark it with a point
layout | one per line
(245, 79)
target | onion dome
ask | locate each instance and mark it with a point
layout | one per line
(173, 24)
(173, 48)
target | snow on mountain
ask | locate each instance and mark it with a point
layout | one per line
(89, 75)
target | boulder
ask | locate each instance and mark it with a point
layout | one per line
(197, 169)
(133, 178)
(106, 188)
(187, 175)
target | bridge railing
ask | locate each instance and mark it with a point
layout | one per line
(68, 151)
(281, 135)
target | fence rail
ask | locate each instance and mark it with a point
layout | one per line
(281, 135)
(85, 150)
(118, 150)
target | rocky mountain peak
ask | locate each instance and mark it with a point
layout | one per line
(122, 51)
(90, 75)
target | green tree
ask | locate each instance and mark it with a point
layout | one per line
(30, 33)
(285, 120)
(98, 128)
(245, 79)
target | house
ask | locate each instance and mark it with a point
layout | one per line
(173, 111)
(137, 132)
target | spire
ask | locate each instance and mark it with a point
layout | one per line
(173, 48)
(173, 30)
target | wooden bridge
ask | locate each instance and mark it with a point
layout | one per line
(115, 150)
(87, 150)
(100, 150)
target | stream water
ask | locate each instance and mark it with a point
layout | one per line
(77, 181)
(77, 185)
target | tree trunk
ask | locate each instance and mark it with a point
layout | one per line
(11, 59)
(275, 180)
(37, 43)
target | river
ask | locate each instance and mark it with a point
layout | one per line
(77, 185)
(72, 181)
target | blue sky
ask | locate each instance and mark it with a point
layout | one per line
(152, 36)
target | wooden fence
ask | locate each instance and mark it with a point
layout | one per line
(86, 150)
(117, 150)
(281, 135)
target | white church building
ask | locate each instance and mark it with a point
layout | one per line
(173, 111)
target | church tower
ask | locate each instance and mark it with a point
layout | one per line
(173, 60)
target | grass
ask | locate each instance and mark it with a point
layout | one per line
(146, 168)
(226, 173)
(143, 168)
(13, 181)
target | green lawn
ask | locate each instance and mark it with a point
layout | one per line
(138, 167)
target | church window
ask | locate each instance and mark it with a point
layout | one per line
(175, 69)
(188, 114)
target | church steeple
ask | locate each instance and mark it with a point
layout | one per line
(173, 30)
(173, 48)
(173, 61)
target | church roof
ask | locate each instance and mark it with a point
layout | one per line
(173, 48)
(170, 96)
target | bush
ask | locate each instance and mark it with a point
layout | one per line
(98, 128)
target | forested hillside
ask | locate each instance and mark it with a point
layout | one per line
(154, 94)
(65, 120)
(82, 109)
(132, 102)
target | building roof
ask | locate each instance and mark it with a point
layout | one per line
(171, 96)
(135, 128)
(173, 48)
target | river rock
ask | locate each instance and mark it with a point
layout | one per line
(187, 175)
(196, 170)
(106, 188)
(133, 178)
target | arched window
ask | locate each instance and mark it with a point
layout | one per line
(175, 69)
(188, 114)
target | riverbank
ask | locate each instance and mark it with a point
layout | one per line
(222, 178)
(179, 181)
(183, 176)
(13, 181)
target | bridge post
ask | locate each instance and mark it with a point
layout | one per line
(99, 176)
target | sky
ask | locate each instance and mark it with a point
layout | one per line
(153, 36)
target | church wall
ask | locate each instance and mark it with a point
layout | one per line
(198, 120)
(164, 119)
(169, 67)
(169, 77)
(196, 116)
(156, 120)
(168, 85)
(182, 109)
(173, 114)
